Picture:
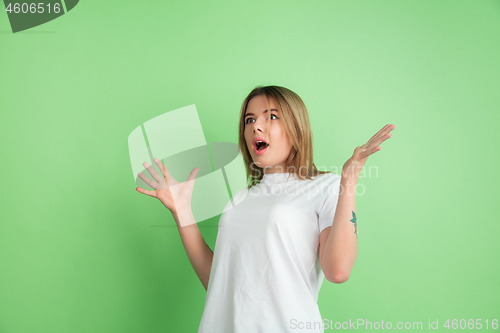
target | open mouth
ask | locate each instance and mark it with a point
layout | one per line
(261, 145)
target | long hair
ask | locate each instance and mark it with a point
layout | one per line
(295, 121)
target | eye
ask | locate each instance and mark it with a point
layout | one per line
(272, 114)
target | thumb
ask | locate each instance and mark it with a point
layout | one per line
(193, 173)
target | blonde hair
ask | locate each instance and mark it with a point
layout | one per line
(295, 121)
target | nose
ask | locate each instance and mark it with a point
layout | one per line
(259, 125)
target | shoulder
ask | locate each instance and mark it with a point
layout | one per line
(327, 178)
(328, 184)
(237, 198)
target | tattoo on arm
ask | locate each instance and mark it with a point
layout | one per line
(355, 224)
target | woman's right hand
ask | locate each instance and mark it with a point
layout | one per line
(172, 194)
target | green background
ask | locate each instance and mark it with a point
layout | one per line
(82, 251)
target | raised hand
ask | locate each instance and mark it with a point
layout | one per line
(173, 195)
(352, 168)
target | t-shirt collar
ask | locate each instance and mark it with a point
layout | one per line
(278, 177)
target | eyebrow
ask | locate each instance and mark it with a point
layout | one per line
(251, 114)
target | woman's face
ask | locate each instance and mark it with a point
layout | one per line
(272, 159)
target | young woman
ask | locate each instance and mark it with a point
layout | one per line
(279, 237)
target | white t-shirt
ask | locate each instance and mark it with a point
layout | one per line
(265, 274)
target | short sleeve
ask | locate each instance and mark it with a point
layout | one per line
(330, 196)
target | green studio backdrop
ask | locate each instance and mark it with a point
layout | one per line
(82, 251)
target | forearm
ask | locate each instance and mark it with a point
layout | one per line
(341, 247)
(199, 253)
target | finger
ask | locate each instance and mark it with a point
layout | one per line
(148, 181)
(147, 192)
(376, 134)
(372, 150)
(153, 172)
(380, 140)
(386, 129)
(192, 176)
(165, 172)
(193, 173)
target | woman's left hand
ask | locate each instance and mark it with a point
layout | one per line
(352, 168)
